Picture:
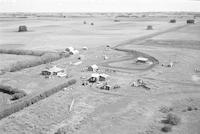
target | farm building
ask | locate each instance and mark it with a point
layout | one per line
(103, 77)
(93, 68)
(142, 60)
(94, 78)
(72, 51)
(98, 77)
(69, 49)
(52, 71)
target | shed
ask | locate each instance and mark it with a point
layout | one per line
(85, 48)
(142, 60)
(74, 52)
(46, 72)
(94, 78)
(61, 74)
(93, 68)
(55, 70)
(69, 49)
(103, 77)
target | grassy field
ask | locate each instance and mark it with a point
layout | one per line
(9, 59)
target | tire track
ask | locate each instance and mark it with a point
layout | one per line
(134, 54)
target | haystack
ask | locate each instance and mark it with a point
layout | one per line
(190, 21)
(172, 21)
(22, 28)
(149, 27)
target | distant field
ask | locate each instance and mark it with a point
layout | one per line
(8, 59)
(59, 34)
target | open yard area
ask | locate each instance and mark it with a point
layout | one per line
(151, 77)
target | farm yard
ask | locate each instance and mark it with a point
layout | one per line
(100, 74)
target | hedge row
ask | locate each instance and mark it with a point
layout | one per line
(46, 58)
(22, 52)
(43, 58)
(31, 99)
(10, 90)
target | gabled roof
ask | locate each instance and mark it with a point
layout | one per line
(55, 69)
(94, 66)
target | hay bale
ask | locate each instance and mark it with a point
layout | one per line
(84, 22)
(149, 27)
(191, 21)
(166, 129)
(92, 23)
(172, 21)
(116, 20)
(22, 29)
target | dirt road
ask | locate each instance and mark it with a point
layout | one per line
(134, 54)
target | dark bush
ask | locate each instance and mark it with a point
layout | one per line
(165, 109)
(172, 119)
(10, 90)
(60, 131)
(189, 108)
(17, 96)
(166, 129)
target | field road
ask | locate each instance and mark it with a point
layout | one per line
(134, 54)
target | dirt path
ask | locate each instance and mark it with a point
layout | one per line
(134, 54)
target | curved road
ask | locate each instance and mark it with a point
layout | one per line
(134, 54)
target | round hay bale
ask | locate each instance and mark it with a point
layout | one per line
(149, 27)
(22, 29)
(84, 22)
(190, 21)
(92, 23)
(172, 21)
(116, 20)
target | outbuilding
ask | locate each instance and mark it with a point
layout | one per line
(52, 71)
(72, 51)
(142, 60)
(69, 49)
(103, 77)
(94, 78)
(55, 70)
(93, 68)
